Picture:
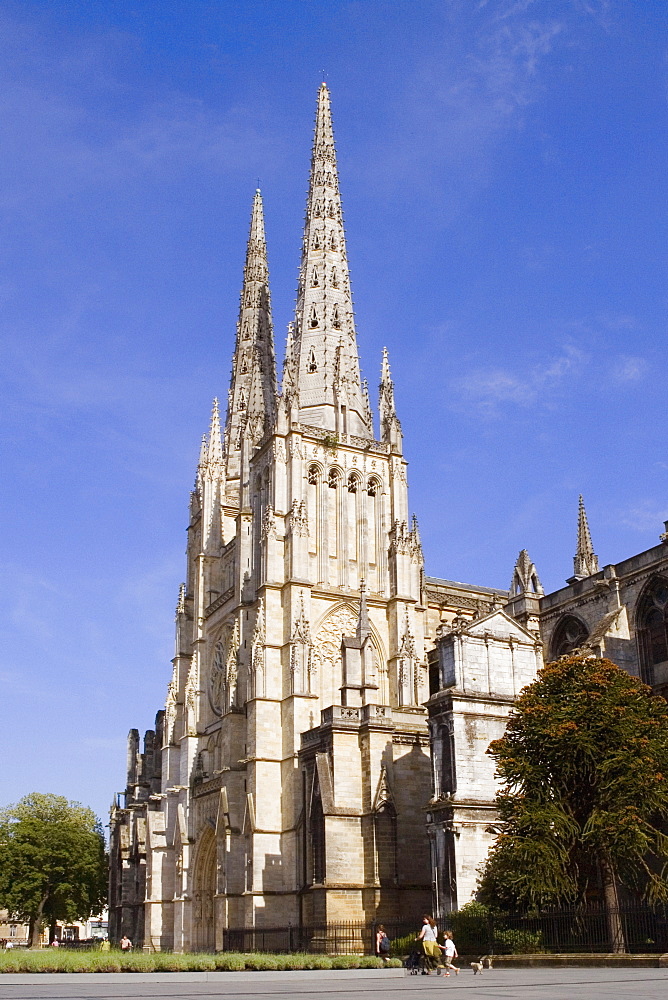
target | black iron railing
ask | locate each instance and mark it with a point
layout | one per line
(592, 929)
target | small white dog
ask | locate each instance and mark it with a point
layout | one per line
(480, 964)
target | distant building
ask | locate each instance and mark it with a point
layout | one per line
(95, 928)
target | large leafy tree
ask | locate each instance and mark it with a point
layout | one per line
(53, 864)
(584, 762)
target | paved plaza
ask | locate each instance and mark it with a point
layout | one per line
(516, 984)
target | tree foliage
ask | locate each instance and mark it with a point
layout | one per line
(584, 806)
(53, 864)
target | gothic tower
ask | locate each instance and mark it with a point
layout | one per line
(295, 761)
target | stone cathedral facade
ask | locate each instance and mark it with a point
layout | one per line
(290, 777)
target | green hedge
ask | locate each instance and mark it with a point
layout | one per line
(53, 960)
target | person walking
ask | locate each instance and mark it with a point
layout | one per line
(428, 942)
(126, 943)
(382, 943)
(450, 952)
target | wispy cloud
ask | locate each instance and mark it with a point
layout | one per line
(458, 110)
(645, 516)
(489, 388)
(629, 369)
(72, 124)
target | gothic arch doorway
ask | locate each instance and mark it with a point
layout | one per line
(204, 891)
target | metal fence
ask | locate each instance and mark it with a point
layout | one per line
(592, 929)
(347, 938)
(595, 930)
(638, 930)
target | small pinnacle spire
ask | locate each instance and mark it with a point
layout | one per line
(363, 626)
(215, 452)
(385, 367)
(525, 577)
(181, 603)
(390, 428)
(203, 452)
(585, 562)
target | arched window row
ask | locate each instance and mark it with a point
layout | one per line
(335, 479)
(323, 241)
(314, 317)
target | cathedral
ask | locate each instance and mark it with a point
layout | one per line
(321, 754)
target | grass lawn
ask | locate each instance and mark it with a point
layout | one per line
(62, 960)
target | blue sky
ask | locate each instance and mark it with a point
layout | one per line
(503, 171)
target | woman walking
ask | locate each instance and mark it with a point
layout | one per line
(428, 944)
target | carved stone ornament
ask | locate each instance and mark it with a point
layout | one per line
(170, 712)
(191, 697)
(327, 641)
(268, 524)
(407, 647)
(299, 518)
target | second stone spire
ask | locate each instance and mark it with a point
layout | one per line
(253, 391)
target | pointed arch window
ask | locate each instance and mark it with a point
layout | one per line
(372, 487)
(332, 242)
(318, 177)
(353, 484)
(335, 278)
(330, 210)
(652, 627)
(242, 401)
(385, 829)
(314, 278)
(312, 363)
(317, 210)
(328, 180)
(244, 365)
(336, 322)
(316, 242)
(317, 837)
(568, 636)
(333, 479)
(313, 319)
(313, 475)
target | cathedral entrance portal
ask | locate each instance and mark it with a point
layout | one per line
(204, 918)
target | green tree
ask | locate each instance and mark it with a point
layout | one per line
(584, 806)
(53, 864)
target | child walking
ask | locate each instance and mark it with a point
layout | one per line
(450, 952)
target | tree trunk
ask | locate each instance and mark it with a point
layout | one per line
(611, 901)
(53, 926)
(36, 924)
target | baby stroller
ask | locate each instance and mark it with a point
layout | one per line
(413, 962)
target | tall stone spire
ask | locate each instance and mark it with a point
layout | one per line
(585, 562)
(390, 428)
(253, 389)
(322, 376)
